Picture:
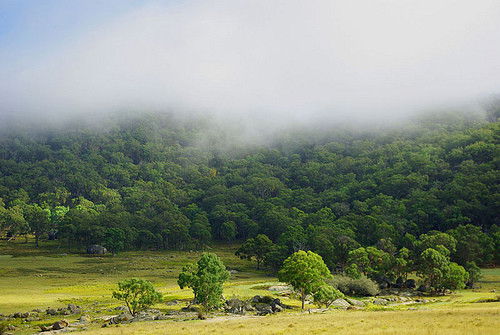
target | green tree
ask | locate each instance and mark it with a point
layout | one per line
(305, 271)
(137, 294)
(439, 273)
(257, 248)
(325, 295)
(38, 219)
(206, 278)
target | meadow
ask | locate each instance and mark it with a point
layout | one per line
(48, 277)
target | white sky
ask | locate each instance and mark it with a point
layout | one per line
(269, 58)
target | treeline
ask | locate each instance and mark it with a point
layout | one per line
(154, 182)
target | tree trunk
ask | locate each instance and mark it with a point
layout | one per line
(303, 298)
(36, 240)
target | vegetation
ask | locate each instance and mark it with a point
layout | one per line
(54, 280)
(360, 287)
(206, 279)
(137, 294)
(326, 295)
(305, 271)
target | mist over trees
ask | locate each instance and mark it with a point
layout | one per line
(350, 195)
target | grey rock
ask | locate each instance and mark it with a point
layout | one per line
(381, 302)
(340, 303)
(355, 302)
(96, 249)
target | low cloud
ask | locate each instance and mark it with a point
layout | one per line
(269, 61)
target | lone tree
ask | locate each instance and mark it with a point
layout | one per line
(137, 294)
(257, 248)
(326, 295)
(305, 271)
(206, 279)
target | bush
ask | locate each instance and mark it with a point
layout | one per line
(362, 286)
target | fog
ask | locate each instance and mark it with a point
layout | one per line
(266, 62)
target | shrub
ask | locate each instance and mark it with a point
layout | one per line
(362, 286)
(326, 295)
(137, 294)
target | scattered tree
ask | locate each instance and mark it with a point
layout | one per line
(305, 271)
(206, 279)
(137, 294)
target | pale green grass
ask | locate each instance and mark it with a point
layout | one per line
(47, 277)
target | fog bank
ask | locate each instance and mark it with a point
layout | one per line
(266, 62)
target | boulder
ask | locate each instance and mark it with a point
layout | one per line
(171, 303)
(74, 309)
(96, 249)
(190, 308)
(58, 325)
(235, 306)
(380, 301)
(51, 311)
(355, 302)
(340, 303)
(263, 309)
(20, 315)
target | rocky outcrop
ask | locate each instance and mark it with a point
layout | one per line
(96, 249)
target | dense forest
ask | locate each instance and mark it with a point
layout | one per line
(153, 181)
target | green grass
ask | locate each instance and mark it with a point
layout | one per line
(31, 278)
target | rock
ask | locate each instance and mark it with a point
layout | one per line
(51, 311)
(263, 309)
(380, 301)
(45, 328)
(340, 303)
(96, 250)
(20, 315)
(37, 310)
(233, 272)
(280, 288)
(84, 319)
(355, 302)
(277, 308)
(124, 317)
(162, 317)
(143, 316)
(256, 299)
(121, 308)
(190, 308)
(74, 309)
(32, 318)
(171, 303)
(235, 306)
(60, 325)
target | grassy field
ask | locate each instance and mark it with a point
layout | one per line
(32, 278)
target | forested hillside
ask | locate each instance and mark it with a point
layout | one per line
(155, 182)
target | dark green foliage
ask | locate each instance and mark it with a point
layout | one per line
(166, 183)
(137, 294)
(258, 248)
(206, 278)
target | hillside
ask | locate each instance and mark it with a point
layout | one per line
(156, 182)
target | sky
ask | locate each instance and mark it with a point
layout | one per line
(260, 61)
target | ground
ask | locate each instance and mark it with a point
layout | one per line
(49, 277)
